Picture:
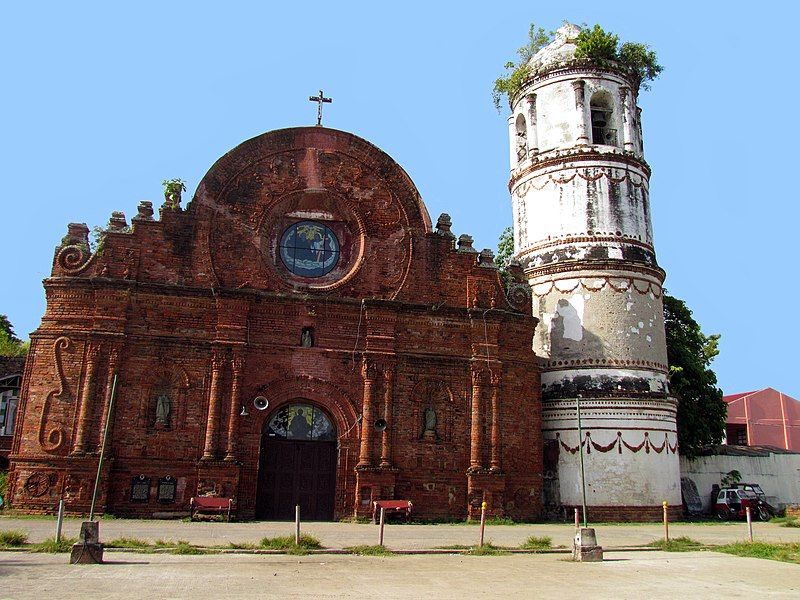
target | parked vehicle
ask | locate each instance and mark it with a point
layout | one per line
(732, 503)
(756, 489)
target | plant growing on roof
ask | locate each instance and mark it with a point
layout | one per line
(172, 191)
(593, 44)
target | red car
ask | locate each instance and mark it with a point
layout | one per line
(732, 503)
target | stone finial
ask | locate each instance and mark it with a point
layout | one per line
(117, 222)
(77, 233)
(486, 259)
(465, 244)
(514, 267)
(145, 211)
(443, 224)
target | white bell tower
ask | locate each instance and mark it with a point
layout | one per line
(582, 232)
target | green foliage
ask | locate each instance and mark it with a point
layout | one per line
(488, 549)
(537, 543)
(11, 538)
(173, 186)
(642, 61)
(791, 522)
(782, 552)
(701, 411)
(505, 250)
(516, 73)
(286, 543)
(594, 44)
(242, 546)
(678, 544)
(597, 44)
(370, 550)
(183, 547)
(730, 478)
(3, 486)
(126, 542)
(10, 344)
(52, 547)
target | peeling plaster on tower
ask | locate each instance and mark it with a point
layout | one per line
(582, 232)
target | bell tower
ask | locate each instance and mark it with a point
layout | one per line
(582, 232)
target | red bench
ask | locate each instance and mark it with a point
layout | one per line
(391, 506)
(211, 505)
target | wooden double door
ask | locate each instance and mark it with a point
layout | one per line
(296, 472)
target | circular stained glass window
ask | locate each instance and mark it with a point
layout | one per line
(309, 249)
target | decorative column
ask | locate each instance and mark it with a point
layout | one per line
(237, 368)
(476, 430)
(93, 354)
(113, 360)
(533, 136)
(386, 445)
(627, 119)
(580, 106)
(369, 372)
(495, 465)
(212, 425)
(512, 142)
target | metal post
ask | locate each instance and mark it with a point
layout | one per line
(749, 523)
(380, 535)
(103, 447)
(577, 519)
(580, 450)
(483, 520)
(60, 520)
(297, 525)
(666, 522)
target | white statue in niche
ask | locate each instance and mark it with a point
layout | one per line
(163, 408)
(429, 433)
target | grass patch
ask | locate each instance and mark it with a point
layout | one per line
(782, 552)
(164, 544)
(11, 538)
(241, 546)
(790, 522)
(487, 550)
(678, 544)
(52, 547)
(370, 550)
(359, 520)
(183, 547)
(286, 543)
(125, 542)
(537, 543)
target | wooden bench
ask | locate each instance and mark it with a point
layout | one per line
(391, 506)
(210, 505)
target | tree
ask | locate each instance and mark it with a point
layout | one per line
(701, 410)
(10, 344)
(505, 250)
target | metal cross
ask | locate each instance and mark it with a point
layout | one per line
(319, 100)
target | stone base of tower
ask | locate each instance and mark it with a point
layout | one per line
(630, 457)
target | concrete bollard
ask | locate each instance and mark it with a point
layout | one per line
(380, 534)
(483, 521)
(585, 547)
(749, 523)
(297, 525)
(577, 519)
(666, 521)
(60, 520)
(88, 550)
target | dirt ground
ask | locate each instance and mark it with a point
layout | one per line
(649, 575)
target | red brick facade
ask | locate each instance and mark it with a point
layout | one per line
(200, 311)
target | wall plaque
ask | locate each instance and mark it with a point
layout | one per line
(166, 489)
(140, 489)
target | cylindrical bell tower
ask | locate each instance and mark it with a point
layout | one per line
(582, 232)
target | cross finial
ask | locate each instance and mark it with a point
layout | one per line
(319, 100)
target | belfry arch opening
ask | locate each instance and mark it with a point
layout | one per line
(601, 108)
(522, 138)
(297, 463)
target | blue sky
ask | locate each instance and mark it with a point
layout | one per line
(102, 101)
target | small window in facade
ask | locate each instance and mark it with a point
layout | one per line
(309, 249)
(603, 131)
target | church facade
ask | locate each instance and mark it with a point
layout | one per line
(300, 333)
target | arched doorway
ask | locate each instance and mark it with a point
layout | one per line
(297, 464)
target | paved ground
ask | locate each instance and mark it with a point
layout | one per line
(646, 575)
(398, 536)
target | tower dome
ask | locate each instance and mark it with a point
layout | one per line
(579, 188)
